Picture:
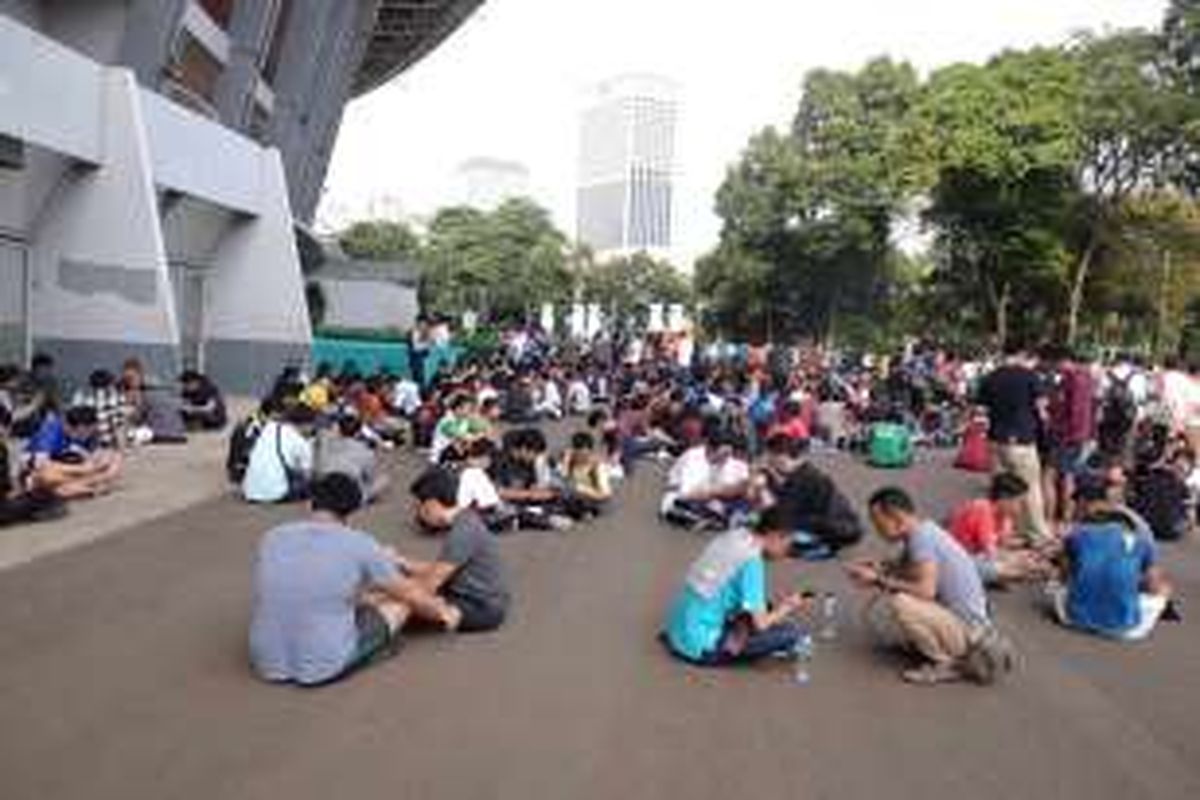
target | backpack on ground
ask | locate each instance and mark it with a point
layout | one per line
(241, 443)
(889, 445)
(974, 455)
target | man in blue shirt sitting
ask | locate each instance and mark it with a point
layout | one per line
(1114, 584)
(65, 459)
(720, 615)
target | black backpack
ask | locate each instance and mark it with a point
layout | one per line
(241, 443)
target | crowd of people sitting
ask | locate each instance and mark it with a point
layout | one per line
(732, 439)
(58, 445)
(1092, 464)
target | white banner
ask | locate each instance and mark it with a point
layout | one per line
(595, 320)
(578, 322)
(656, 318)
(676, 321)
(548, 318)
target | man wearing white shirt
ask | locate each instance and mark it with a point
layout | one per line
(281, 462)
(707, 485)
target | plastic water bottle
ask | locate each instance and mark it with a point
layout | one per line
(829, 617)
(802, 657)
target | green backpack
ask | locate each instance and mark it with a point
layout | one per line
(890, 445)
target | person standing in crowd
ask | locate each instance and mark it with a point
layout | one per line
(1013, 397)
(1072, 432)
(721, 614)
(932, 596)
(329, 599)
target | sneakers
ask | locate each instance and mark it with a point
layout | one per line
(559, 522)
(932, 674)
(990, 656)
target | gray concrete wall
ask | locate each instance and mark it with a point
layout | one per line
(250, 366)
(95, 28)
(369, 304)
(149, 35)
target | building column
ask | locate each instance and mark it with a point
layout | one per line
(100, 288)
(256, 319)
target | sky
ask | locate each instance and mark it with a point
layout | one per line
(511, 83)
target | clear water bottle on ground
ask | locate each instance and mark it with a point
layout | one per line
(829, 617)
(802, 658)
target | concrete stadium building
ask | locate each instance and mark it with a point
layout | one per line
(160, 161)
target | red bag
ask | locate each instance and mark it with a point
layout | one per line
(975, 455)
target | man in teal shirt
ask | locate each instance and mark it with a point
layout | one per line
(721, 615)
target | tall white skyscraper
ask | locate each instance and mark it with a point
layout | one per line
(627, 165)
(485, 183)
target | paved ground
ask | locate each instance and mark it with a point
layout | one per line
(122, 675)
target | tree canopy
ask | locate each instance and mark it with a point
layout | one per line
(1039, 177)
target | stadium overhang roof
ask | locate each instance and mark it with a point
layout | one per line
(405, 31)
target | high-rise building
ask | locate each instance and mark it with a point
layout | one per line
(485, 183)
(160, 161)
(627, 165)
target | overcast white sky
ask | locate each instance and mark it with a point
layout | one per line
(510, 84)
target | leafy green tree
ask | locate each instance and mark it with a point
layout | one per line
(506, 262)
(813, 209)
(380, 240)
(999, 142)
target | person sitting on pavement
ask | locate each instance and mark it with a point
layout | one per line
(984, 527)
(468, 573)
(342, 449)
(477, 491)
(586, 475)
(932, 598)
(154, 410)
(329, 599)
(548, 402)
(1114, 585)
(103, 395)
(721, 615)
(18, 503)
(65, 460)
(281, 461)
(35, 394)
(454, 426)
(821, 518)
(203, 405)
(523, 482)
(707, 485)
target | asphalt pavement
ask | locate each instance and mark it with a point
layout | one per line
(123, 675)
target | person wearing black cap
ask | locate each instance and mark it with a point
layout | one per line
(1114, 585)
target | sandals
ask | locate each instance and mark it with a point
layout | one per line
(932, 674)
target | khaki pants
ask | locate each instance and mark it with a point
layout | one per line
(1022, 460)
(931, 629)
